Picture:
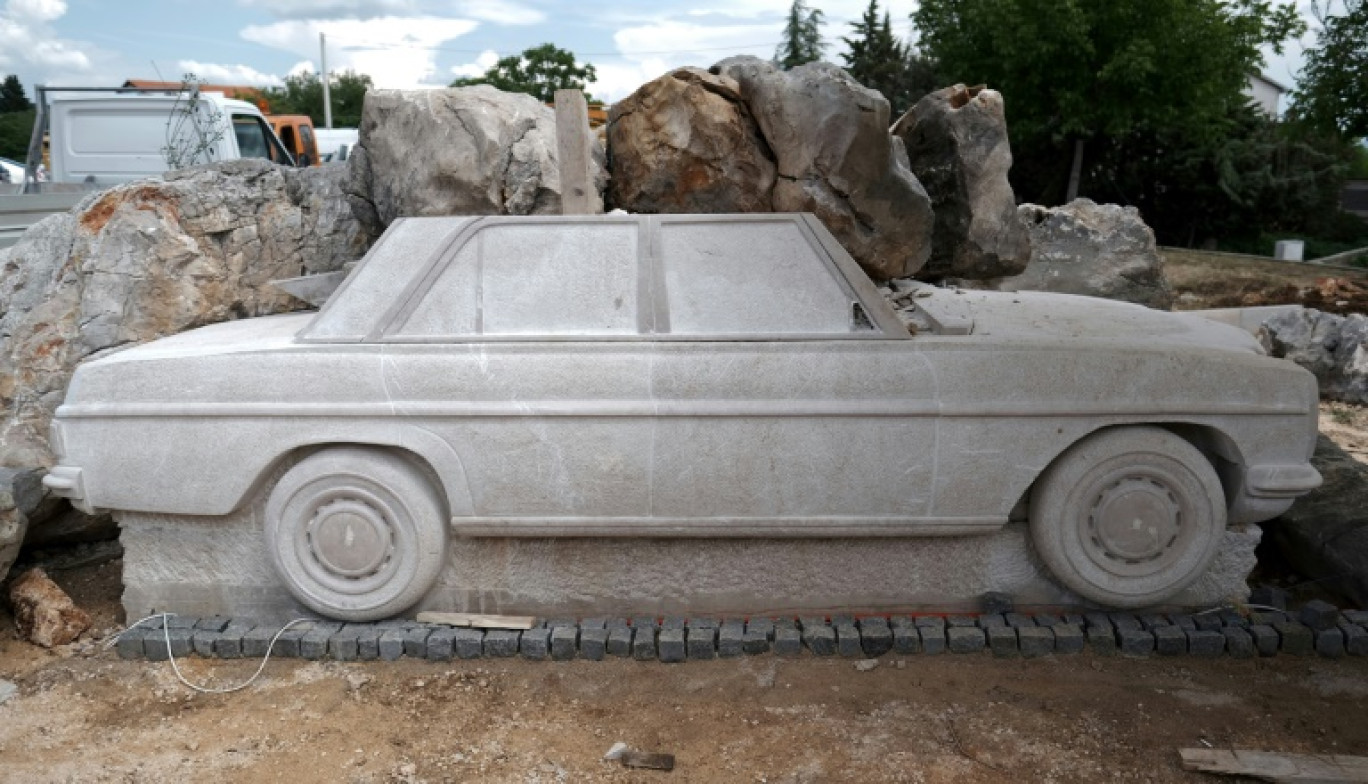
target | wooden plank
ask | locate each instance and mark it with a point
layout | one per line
(1272, 766)
(477, 620)
(578, 195)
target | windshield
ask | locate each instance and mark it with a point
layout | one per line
(255, 140)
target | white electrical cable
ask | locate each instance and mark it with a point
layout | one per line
(166, 634)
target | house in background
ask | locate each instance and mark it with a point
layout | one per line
(1265, 93)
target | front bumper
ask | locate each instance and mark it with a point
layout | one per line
(67, 482)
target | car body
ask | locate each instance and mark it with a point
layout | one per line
(687, 376)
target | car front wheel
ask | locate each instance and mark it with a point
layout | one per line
(1128, 517)
(356, 534)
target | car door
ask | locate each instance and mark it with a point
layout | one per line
(782, 410)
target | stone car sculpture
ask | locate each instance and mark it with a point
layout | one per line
(687, 376)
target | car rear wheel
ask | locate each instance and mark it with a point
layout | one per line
(356, 534)
(1128, 517)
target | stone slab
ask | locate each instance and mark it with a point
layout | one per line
(219, 566)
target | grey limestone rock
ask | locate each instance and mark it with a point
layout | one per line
(1097, 250)
(956, 140)
(459, 151)
(21, 493)
(1334, 348)
(835, 158)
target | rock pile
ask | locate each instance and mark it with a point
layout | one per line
(1334, 348)
(43, 612)
(460, 151)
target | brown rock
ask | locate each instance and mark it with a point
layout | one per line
(686, 143)
(43, 612)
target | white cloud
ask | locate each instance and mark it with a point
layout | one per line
(30, 45)
(500, 12)
(397, 52)
(36, 10)
(332, 9)
(693, 43)
(483, 62)
(617, 80)
(215, 73)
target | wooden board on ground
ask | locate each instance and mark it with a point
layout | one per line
(478, 621)
(1271, 766)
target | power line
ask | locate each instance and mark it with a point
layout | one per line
(382, 47)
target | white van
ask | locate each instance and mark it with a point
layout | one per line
(108, 138)
(335, 144)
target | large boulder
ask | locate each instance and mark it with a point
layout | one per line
(21, 494)
(957, 145)
(835, 158)
(459, 151)
(686, 143)
(1097, 250)
(1334, 348)
(1324, 536)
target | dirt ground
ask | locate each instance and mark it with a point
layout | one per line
(1207, 281)
(83, 715)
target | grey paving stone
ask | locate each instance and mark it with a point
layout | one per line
(848, 641)
(154, 644)
(415, 641)
(593, 643)
(996, 603)
(130, 643)
(1102, 640)
(646, 622)
(1134, 642)
(256, 641)
(763, 626)
(1152, 621)
(821, 640)
(1068, 638)
(730, 639)
(216, 623)
(469, 643)
(617, 623)
(1232, 617)
(1208, 622)
(1098, 619)
(562, 623)
(229, 643)
(787, 642)
(932, 639)
(1319, 615)
(703, 623)
(1035, 641)
(1206, 643)
(535, 645)
(181, 621)
(643, 643)
(202, 642)
(1330, 643)
(181, 637)
(1359, 617)
(1002, 640)
(701, 643)
(753, 643)
(1239, 642)
(670, 644)
(342, 646)
(1169, 641)
(1018, 620)
(674, 622)
(619, 641)
(929, 622)
(441, 644)
(564, 641)
(965, 639)
(1267, 617)
(390, 646)
(1297, 639)
(1048, 619)
(1184, 622)
(287, 647)
(593, 623)
(980, 621)
(368, 644)
(842, 618)
(906, 640)
(1124, 622)
(876, 637)
(1355, 638)
(1269, 596)
(501, 643)
(1265, 639)
(1074, 618)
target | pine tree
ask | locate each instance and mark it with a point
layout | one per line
(875, 58)
(12, 97)
(802, 37)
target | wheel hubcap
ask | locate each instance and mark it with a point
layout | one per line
(350, 539)
(1134, 520)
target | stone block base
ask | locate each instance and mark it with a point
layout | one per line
(218, 566)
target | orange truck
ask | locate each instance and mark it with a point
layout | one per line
(296, 131)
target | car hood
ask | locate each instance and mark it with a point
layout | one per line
(263, 333)
(1034, 316)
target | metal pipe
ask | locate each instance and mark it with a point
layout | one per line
(327, 94)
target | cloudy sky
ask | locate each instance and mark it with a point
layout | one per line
(403, 43)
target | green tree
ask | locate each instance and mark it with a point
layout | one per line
(875, 58)
(16, 128)
(303, 94)
(12, 97)
(1332, 92)
(802, 41)
(1084, 73)
(539, 71)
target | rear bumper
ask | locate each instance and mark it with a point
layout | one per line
(1281, 481)
(67, 482)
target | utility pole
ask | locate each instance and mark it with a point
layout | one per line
(327, 94)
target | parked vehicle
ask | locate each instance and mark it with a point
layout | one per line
(296, 132)
(11, 171)
(336, 144)
(104, 138)
(688, 376)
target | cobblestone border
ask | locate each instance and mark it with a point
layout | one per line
(1318, 629)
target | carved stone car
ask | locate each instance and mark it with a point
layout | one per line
(688, 376)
